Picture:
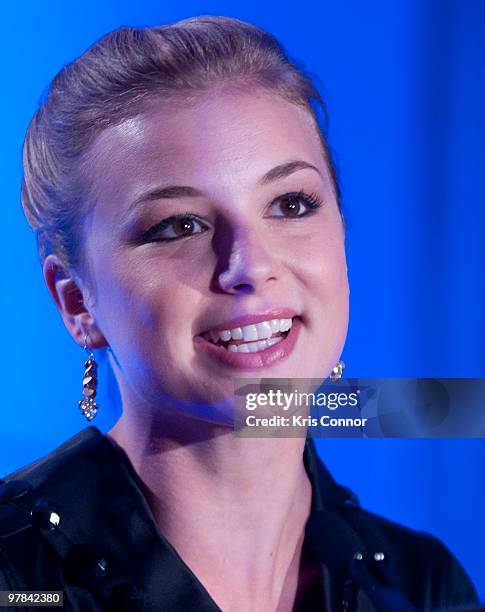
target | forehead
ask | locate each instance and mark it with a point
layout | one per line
(219, 141)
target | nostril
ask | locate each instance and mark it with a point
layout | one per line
(243, 288)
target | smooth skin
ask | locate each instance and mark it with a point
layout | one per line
(233, 508)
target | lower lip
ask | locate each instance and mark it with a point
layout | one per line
(252, 361)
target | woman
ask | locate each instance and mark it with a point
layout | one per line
(188, 221)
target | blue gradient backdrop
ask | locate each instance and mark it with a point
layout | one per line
(404, 83)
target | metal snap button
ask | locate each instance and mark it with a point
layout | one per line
(44, 515)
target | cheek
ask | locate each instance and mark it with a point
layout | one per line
(321, 262)
(145, 304)
(322, 271)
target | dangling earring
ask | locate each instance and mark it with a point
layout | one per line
(336, 373)
(88, 405)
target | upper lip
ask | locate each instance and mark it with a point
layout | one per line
(252, 319)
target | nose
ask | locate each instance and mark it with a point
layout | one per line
(247, 263)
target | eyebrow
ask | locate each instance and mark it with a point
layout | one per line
(185, 191)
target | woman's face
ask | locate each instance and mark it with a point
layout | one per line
(259, 238)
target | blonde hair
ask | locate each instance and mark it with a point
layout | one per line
(113, 80)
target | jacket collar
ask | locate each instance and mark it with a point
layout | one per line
(84, 479)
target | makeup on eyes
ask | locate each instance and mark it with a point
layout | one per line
(300, 205)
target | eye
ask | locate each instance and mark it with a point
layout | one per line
(295, 204)
(174, 228)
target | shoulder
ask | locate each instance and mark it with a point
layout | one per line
(424, 566)
(40, 509)
(414, 563)
(75, 521)
(83, 447)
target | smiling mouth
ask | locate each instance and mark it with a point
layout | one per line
(250, 338)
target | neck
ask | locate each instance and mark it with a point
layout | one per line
(234, 508)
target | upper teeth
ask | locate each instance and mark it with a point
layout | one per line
(248, 333)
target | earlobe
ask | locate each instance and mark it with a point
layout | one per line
(70, 301)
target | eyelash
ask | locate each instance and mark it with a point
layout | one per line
(311, 200)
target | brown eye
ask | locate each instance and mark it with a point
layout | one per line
(295, 205)
(175, 228)
(290, 206)
(183, 227)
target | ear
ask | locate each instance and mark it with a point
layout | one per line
(71, 301)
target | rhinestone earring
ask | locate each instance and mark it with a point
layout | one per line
(336, 373)
(88, 405)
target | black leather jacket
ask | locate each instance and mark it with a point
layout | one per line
(76, 521)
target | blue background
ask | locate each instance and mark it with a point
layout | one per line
(404, 83)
